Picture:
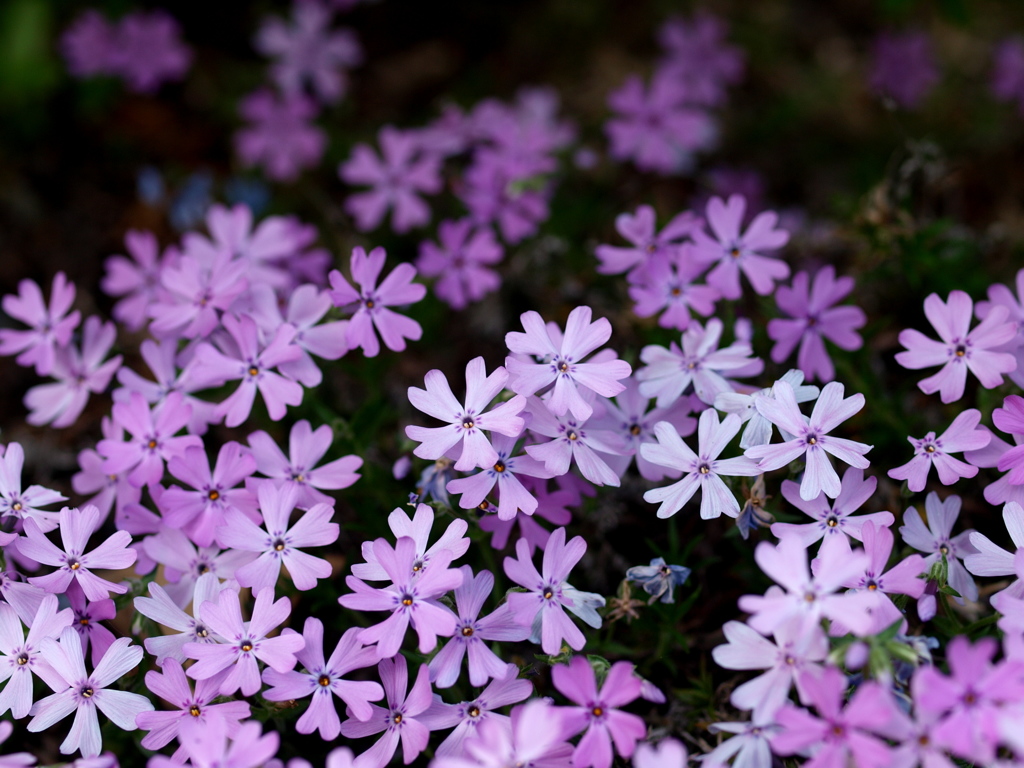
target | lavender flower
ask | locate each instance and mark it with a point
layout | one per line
(371, 302)
(147, 51)
(1008, 71)
(280, 136)
(466, 423)
(659, 579)
(512, 494)
(993, 560)
(649, 246)
(191, 629)
(811, 437)
(814, 320)
(699, 470)
(759, 429)
(960, 350)
(560, 362)
(572, 439)
(669, 286)
(193, 294)
(23, 505)
(453, 543)
(461, 262)
(22, 655)
(962, 435)
(51, 326)
(137, 279)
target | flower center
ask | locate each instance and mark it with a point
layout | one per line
(474, 711)
(73, 564)
(324, 680)
(22, 659)
(407, 600)
(279, 545)
(370, 304)
(597, 711)
(812, 440)
(872, 585)
(467, 423)
(832, 521)
(809, 597)
(397, 719)
(246, 646)
(929, 448)
(563, 367)
(734, 252)
(961, 350)
(87, 691)
(151, 444)
(571, 434)
(202, 631)
(704, 469)
(944, 550)
(548, 593)
(790, 661)
(467, 631)
(213, 495)
(499, 467)
(194, 710)
(634, 429)
(16, 506)
(84, 621)
(202, 568)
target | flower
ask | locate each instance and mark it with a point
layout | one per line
(466, 423)
(548, 593)
(649, 247)
(453, 543)
(397, 177)
(701, 470)
(193, 293)
(512, 494)
(83, 693)
(23, 505)
(904, 67)
(461, 261)
(814, 320)
(572, 439)
(669, 286)
(372, 301)
(136, 279)
(598, 712)
(323, 680)
(280, 136)
(960, 350)
(23, 657)
(51, 327)
(696, 53)
(73, 562)
(147, 50)
(735, 252)
(164, 611)
(759, 429)
(962, 435)
(560, 362)
(811, 437)
(658, 579)
(992, 560)
(1008, 71)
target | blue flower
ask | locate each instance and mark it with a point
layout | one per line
(658, 579)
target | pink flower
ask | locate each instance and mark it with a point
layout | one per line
(51, 326)
(960, 350)
(280, 136)
(814, 320)
(649, 247)
(735, 251)
(136, 279)
(669, 286)
(461, 261)
(147, 50)
(371, 302)
(962, 435)
(466, 424)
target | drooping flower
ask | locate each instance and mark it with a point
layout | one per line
(51, 326)
(466, 423)
(811, 438)
(560, 362)
(960, 349)
(659, 579)
(962, 435)
(371, 302)
(700, 470)
(398, 177)
(814, 319)
(597, 712)
(83, 693)
(323, 680)
(733, 251)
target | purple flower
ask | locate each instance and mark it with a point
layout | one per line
(806, 598)
(668, 372)
(280, 136)
(700, 470)
(649, 246)
(843, 736)
(796, 650)
(1010, 418)
(697, 54)
(506, 688)
(173, 687)
(308, 51)
(461, 261)
(814, 320)
(23, 505)
(244, 642)
(453, 542)
(83, 693)
(546, 596)
(999, 294)
(904, 67)
(251, 364)
(136, 279)
(735, 251)
(552, 506)
(200, 511)
(278, 542)
(184, 563)
(654, 127)
(512, 494)
(164, 611)
(811, 438)
(938, 542)
(401, 721)
(598, 711)
(471, 631)
(500, 189)
(51, 327)
(571, 439)
(78, 373)
(23, 657)
(466, 424)
(323, 680)
(1008, 71)
(411, 598)
(87, 617)
(193, 294)
(960, 350)
(993, 560)
(147, 51)
(759, 429)
(659, 579)
(560, 362)
(73, 562)
(398, 177)
(668, 753)
(371, 302)
(835, 519)
(207, 745)
(152, 442)
(668, 286)
(306, 447)
(86, 44)
(962, 435)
